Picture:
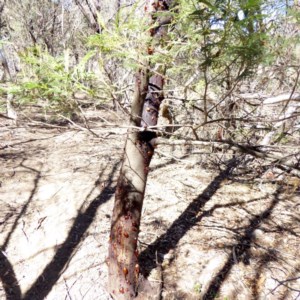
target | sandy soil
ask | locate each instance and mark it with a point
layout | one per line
(217, 232)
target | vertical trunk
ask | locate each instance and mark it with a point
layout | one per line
(123, 254)
(123, 264)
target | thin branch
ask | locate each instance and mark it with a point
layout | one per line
(243, 148)
(80, 127)
(283, 282)
(293, 91)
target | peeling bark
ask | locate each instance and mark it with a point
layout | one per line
(123, 254)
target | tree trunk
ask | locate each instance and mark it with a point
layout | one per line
(123, 253)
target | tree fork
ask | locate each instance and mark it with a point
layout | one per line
(123, 263)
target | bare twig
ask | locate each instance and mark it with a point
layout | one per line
(244, 148)
(284, 283)
(293, 91)
(80, 127)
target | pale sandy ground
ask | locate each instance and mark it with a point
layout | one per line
(217, 233)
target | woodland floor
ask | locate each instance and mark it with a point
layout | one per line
(218, 233)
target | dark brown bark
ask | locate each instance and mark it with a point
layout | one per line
(123, 253)
(123, 263)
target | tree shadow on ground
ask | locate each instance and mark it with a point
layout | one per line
(7, 274)
(241, 250)
(25, 207)
(52, 272)
(8, 278)
(148, 258)
(28, 141)
(44, 283)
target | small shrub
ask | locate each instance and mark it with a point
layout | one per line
(50, 81)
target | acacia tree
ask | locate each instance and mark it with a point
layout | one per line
(224, 49)
(139, 149)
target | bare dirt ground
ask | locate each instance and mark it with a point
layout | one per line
(216, 233)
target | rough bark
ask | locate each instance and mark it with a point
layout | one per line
(123, 264)
(123, 254)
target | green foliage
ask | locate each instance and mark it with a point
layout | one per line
(197, 287)
(51, 81)
(213, 36)
(206, 36)
(221, 41)
(126, 40)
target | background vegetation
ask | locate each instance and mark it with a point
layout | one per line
(223, 60)
(231, 71)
